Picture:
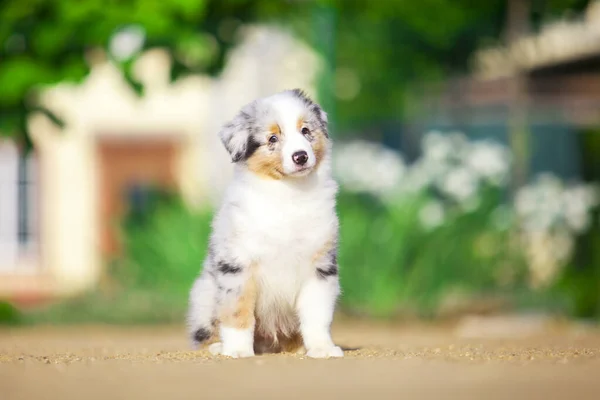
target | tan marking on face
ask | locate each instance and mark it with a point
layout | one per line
(327, 247)
(300, 123)
(240, 314)
(275, 130)
(319, 145)
(266, 164)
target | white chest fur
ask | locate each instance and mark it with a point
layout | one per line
(279, 228)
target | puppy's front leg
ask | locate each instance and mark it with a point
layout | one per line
(238, 299)
(316, 304)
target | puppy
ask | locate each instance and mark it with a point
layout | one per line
(270, 280)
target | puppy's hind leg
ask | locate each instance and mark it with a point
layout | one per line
(202, 307)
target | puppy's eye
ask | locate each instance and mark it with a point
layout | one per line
(306, 131)
(273, 139)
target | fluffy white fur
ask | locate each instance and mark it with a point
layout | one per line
(280, 233)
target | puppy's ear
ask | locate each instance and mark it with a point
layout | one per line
(321, 118)
(315, 109)
(236, 134)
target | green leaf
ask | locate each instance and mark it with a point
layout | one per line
(18, 76)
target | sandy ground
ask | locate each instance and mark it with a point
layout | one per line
(476, 361)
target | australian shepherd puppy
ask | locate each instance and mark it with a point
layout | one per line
(270, 280)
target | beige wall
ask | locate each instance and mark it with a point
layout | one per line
(102, 106)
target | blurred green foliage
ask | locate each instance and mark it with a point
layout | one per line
(9, 315)
(45, 41)
(390, 264)
(163, 253)
(381, 48)
(581, 282)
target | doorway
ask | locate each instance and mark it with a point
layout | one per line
(127, 169)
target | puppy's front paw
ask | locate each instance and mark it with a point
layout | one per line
(219, 349)
(238, 353)
(325, 352)
(216, 348)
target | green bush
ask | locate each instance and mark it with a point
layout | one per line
(164, 248)
(163, 252)
(9, 315)
(390, 263)
(580, 282)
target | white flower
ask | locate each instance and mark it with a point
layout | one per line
(525, 201)
(457, 166)
(578, 201)
(437, 147)
(421, 174)
(548, 204)
(432, 214)
(539, 204)
(460, 184)
(127, 42)
(490, 160)
(364, 166)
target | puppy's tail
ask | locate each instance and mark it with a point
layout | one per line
(201, 312)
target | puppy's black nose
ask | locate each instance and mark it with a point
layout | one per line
(300, 157)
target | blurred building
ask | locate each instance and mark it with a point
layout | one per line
(560, 72)
(60, 208)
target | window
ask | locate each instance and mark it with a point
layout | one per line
(18, 208)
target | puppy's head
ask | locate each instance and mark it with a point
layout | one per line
(281, 136)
